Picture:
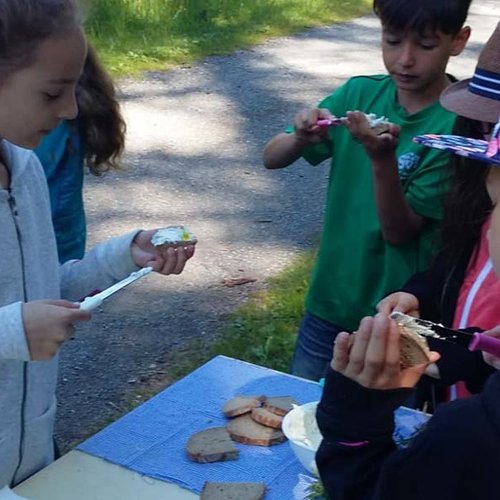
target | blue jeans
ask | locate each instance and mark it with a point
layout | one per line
(314, 347)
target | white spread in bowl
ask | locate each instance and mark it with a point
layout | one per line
(303, 427)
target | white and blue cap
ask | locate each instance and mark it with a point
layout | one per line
(478, 97)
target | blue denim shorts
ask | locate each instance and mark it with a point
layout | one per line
(314, 347)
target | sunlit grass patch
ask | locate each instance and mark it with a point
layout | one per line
(135, 35)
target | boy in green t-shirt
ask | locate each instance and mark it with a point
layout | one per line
(385, 192)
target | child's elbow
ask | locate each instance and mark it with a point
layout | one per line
(270, 159)
(269, 163)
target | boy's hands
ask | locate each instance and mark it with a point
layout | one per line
(378, 147)
(373, 359)
(49, 323)
(164, 261)
(284, 149)
(401, 302)
(306, 129)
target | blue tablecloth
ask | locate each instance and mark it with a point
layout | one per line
(151, 439)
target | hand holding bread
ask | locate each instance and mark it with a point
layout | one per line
(373, 356)
(379, 139)
(163, 258)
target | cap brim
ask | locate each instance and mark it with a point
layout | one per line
(458, 99)
(463, 146)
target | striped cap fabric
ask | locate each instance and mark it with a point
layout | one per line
(478, 97)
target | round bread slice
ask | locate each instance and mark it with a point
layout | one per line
(242, 404)
(246, 430)
(265, 417)
(211, 445)
(280, 405)
(413, 348)
(232, 491)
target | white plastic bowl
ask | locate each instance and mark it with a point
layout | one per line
(293, 428)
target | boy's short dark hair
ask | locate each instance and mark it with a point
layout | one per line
(446, 16)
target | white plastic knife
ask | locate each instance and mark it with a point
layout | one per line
(91, 303)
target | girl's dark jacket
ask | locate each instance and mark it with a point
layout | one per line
(437, 292)
(455, 457)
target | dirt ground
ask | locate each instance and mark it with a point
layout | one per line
(195, 140)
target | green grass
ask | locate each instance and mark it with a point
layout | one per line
(135, 35)
(263, 330)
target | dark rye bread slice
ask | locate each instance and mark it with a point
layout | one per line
(246, 430)
(265, 417)
(280, 405)
(413, 348)
(211, 445)
(232, 491)
(242, 404)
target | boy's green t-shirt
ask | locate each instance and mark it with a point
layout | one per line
(355, 267)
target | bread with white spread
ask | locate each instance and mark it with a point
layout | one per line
(379, 124)
(173, 236)
(413, 346)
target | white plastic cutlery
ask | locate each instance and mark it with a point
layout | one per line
(94, 301)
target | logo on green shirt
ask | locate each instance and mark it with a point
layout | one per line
(407, 164)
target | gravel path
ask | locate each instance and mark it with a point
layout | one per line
(195, 142)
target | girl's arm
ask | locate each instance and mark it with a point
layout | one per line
(355, 415)
(100, 268)
(114, 260)
(432, 466)
(357, 426)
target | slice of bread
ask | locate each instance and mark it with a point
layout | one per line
(245, 429)
(413, 348)
(173, 236)
(280, 405)
(211, 445)
(242, 404)
(379, 125)
(265, 417)
(232, 491)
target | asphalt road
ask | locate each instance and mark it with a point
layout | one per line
(195, 140)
